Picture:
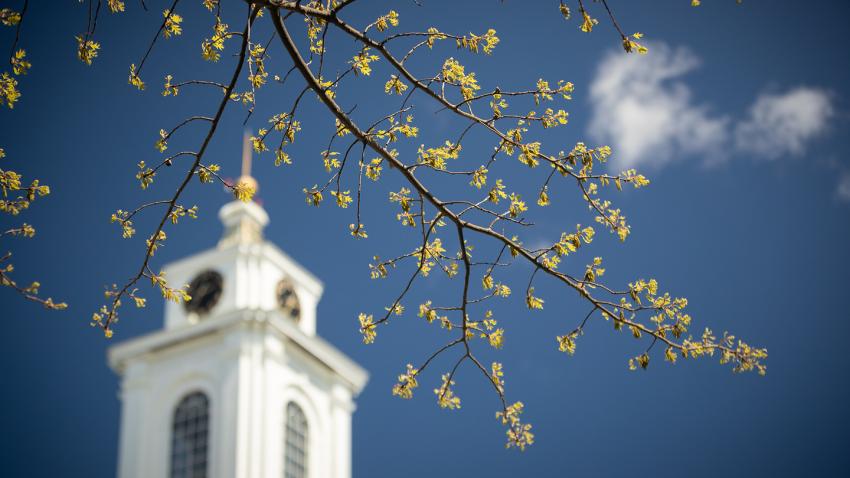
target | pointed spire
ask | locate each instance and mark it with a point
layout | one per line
(246, 162)
(246, 154)
(243, 222)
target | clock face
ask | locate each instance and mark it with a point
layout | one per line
(205, 290)
(287, 300)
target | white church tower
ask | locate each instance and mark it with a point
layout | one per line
(237, 383)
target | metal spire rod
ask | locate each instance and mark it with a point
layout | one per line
(246, 154)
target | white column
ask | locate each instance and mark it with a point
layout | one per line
(341, 409)
(134, 394)
(225, 422)
(249, 395)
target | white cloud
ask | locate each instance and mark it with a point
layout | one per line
(644, 110)
(843, 190)
(646, 113)
(782, 124)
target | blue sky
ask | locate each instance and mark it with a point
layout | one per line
(749, 222)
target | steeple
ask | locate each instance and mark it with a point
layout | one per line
(243, 221)
(237, 384)
(246, 162)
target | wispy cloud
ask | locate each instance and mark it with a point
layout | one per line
(643, 108)
(843, 189)
(782, 124)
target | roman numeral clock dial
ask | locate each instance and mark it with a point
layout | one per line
(287, 300)
(205, 290)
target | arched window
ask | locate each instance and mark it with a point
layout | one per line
(295, 453)
(189, 437)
